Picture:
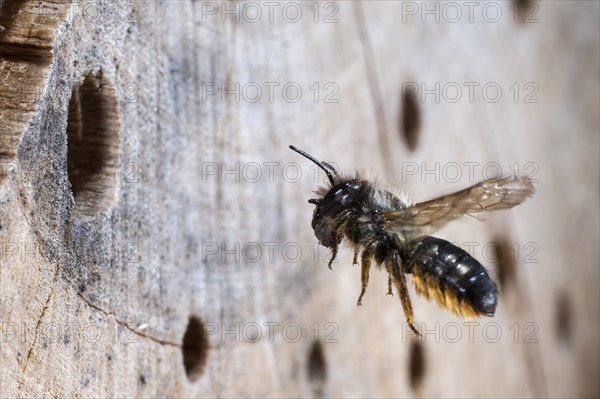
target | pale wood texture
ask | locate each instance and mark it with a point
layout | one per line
(124, 181)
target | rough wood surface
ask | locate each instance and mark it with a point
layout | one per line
(154, 230)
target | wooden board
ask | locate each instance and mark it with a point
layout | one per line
(154, 227)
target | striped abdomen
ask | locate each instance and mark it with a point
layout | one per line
(448, 274)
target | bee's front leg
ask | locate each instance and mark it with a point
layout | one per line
(365, 266)
(364, 274)
(334, 252)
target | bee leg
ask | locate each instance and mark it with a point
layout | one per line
(355, 260)
(364, 274)
(400, 279)
(335, 239)
(334, 251)
(389, 270)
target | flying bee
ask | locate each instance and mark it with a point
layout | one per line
(395, 235)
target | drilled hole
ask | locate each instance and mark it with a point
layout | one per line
(563, 318)
(93, 145)
(505, 264)
(417, 365)
(410, 118)
(317, 368)
(525, 11)
(195, 349)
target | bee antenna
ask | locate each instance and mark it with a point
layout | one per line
(319, 164)
(328, 166)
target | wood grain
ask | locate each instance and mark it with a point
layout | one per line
(180, 262)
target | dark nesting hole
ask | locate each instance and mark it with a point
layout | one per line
(317, 368)
(93, 145)
(410, 118)
(417, 365)
(563, 322)
(505, 264)
(195, 349)
(525, 10)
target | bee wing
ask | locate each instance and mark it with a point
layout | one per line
(489, 195)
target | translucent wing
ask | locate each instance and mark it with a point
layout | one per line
(489, 195)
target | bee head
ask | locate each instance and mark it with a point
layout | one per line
(327, 168)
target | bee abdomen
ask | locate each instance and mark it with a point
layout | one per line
(448, 274)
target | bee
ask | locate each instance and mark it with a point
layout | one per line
(396, 235)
